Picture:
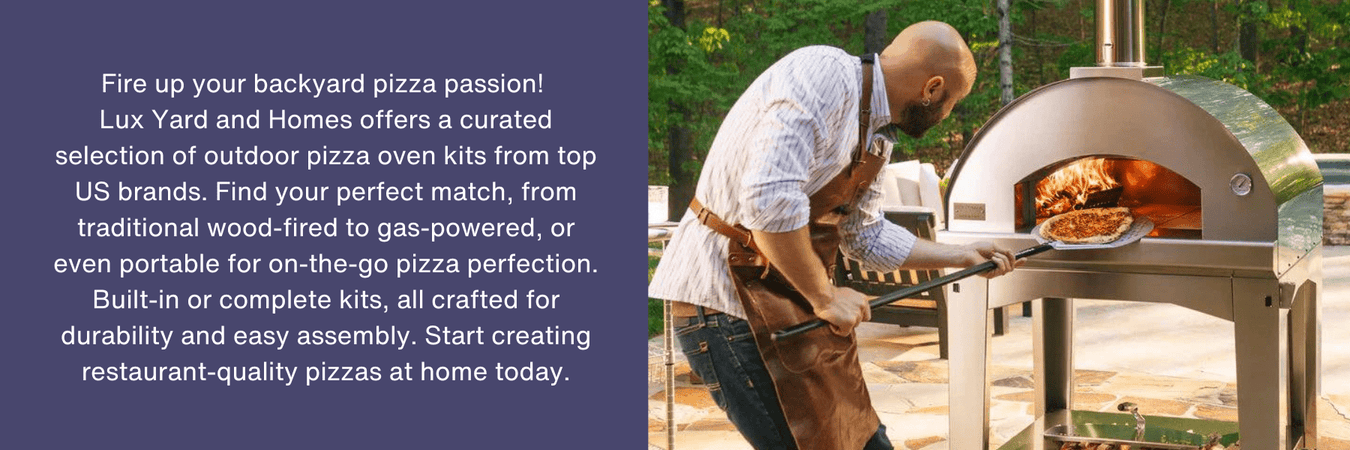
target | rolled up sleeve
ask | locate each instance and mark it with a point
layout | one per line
(876, 243)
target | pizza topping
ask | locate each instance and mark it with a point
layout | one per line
(1086, 225)
(1089, 226)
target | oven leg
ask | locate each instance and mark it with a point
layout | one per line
(1052, 342)
(1262, 366)
(1304, 321)
(968, 389)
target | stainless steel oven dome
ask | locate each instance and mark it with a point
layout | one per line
(1258, 182)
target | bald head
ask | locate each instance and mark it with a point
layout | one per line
(930, 65)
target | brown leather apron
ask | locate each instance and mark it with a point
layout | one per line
(817, 375)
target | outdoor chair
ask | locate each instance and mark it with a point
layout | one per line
(911, 200)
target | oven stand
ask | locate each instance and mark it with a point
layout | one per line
(1277, 361)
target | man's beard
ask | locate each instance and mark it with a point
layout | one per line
(916, 119)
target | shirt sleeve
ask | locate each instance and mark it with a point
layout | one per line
(876, 243)
(798, 111)
(773, 193)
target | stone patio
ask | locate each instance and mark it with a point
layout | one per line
(1116, 360)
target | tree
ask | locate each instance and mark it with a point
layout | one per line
(1249, 39)
(1214, 27)
(1005, 74)
(1317, 77)
(875, 38)
(682, 83)
(1162, 23)
(678, 145)
(692, 84)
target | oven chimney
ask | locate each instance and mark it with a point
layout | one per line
(1120, 42)
(1120, 33)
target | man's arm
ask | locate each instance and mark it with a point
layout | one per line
(884, 246)
(844, 308)
(791, 254)
(931, 255)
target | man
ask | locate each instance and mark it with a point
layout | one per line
(790, 135)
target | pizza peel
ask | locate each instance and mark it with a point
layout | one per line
(1141, 227)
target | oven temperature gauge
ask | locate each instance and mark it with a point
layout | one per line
(1241, 184)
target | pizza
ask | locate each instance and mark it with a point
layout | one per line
(1088, 226)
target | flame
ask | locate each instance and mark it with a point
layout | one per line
(1070, 186)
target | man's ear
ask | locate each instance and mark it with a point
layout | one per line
(932, 87)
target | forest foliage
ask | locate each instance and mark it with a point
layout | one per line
(1293, 53)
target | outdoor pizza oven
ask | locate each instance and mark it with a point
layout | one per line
(1236, 199)
(1205, 160)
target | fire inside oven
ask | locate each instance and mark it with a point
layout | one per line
(1171, 201)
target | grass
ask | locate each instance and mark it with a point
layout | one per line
(655, 307)
(655, 317)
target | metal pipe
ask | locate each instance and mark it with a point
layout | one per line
(1120, 33)
(1138, 419)
(668, 320)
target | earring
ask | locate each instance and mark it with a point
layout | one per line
(926, 102)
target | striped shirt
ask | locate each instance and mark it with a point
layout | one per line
(793, 130)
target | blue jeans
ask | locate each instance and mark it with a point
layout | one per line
(722, 351)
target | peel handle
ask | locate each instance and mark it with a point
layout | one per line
(910, 291)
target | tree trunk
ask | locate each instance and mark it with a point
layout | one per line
(1162, 28)
(874, 31)
(962, 113)
(1082, 29)
(1248, 41)
(1005, 74)
(679, 141)
(1036, 52)
(1214, 27)
(675, 12)
(682, 180)
(1300, 38)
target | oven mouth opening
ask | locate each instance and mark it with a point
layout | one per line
(1171, 201)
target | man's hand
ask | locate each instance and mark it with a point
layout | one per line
(791, 253)
(982, 251)
(844, 311)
